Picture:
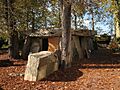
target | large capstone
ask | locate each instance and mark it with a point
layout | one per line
(40, 65)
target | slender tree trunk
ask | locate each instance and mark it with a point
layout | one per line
(45, 20)
(27, 18)
(117, 20)
(66, 36)
(75, 21)
(33, 20)
(26, 47)
(92, 21)
(59, 18)
(60, 12)
(44, 14)
(115, 26)
(119, 17)
(118, 2)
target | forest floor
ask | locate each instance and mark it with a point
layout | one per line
(100, 72)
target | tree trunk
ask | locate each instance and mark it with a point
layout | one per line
(60, 12)
(33, 20)
(13, 39)
(92, 21)
(59, 26)
(118, 4)
(75, 20)
(44, 14)
(117, 21)
(45, 24)
(119, 14)
(66, 36)
(117, 27)
(26, 47)
(14, 47)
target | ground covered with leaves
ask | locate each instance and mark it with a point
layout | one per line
(100, 72)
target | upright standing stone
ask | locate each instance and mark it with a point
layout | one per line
(78, 46)
(40, 65)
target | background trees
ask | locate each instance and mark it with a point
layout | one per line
(20, 16)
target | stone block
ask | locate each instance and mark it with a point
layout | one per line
(40, 65)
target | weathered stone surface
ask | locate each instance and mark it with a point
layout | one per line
(85, 48)
(40, 65)
(78, 46)
(75, 55)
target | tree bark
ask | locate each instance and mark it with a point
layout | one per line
(44, 14)
(13, 39)
(26, 47)
(66, 36)
(92, 21)
(117, 21)
(14, 47)
(33, 20)
(75, 20)
(61, 11)
(118, 2)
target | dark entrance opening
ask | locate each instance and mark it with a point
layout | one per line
(80, 40)
(45, 44)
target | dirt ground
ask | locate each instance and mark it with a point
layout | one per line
(100, 72)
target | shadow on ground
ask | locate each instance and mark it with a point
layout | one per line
(69, 74)
(8, 63)
(99, 59)
(102, 58)
(1, 88)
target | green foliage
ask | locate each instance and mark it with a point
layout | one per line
(35, 13)
(3, 42)
(28, 13)
(103, 37)
(79, 7)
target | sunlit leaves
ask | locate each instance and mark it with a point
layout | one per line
(79, 7)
